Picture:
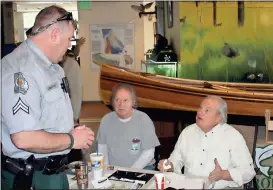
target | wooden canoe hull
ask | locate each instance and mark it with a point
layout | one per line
(162, 95)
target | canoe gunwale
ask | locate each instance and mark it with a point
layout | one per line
(161, 95)
(121, 78)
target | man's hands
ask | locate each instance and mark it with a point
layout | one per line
(217, 174)
(80, 41)
(160, 166)
(83, 137)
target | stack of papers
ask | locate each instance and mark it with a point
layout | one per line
(101, 184)
(182, 182)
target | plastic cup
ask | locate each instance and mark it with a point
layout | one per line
(159, 181)
(97, 164)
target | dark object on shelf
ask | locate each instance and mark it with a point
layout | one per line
(162, 51)
(166, 56)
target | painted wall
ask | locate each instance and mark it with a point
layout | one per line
(226, 52)
(110, 13)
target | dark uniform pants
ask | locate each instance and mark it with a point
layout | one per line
(40, 181)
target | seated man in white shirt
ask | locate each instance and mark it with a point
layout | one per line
(212, 149)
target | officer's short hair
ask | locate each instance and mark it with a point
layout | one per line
(47, 15)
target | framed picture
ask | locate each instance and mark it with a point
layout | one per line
(170, 13)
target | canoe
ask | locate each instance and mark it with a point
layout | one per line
(159, 92)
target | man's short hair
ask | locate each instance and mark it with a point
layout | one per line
(222, 107)
(47, 16)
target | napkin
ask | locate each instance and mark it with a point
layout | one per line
(102, 183)
(166, 167)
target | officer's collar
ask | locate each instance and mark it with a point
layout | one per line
(46, 62)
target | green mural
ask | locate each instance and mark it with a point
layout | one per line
(227, 53)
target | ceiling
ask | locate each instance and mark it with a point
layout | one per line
(37, 6)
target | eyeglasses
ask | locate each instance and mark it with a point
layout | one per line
(68, 17)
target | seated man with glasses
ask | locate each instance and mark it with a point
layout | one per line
(127, 136)
(37, 118)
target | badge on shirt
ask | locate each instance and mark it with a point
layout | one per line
(20, 83)
(135, 146)
(20, 105)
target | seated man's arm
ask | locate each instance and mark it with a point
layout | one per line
(101, 139)
(243, 170)
(176, 157)
(104, 150)
(149, 141)
(144, 159)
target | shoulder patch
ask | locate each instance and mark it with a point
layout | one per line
(20, 105)
(20, 83)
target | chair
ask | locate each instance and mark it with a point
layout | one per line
(250, 135)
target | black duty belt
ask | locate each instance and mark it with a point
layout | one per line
(49, 165)
(38, 164)
(24, 169)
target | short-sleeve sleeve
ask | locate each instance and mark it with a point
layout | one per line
(149, 138)
(21, 102)
(243, 172)
(101, 136)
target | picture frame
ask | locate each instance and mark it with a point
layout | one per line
(170, 14)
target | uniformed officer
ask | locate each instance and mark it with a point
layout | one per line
(37, 118)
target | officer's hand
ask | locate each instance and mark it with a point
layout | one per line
(83, 137)
(161, 167)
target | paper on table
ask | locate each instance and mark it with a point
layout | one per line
(180, 182)
(103, 183)
(208, 184)
(187, 184)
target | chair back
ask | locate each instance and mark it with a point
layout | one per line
(250, 135)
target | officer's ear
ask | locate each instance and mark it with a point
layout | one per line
(55, 35)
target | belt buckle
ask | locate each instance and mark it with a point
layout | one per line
(28, 169)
